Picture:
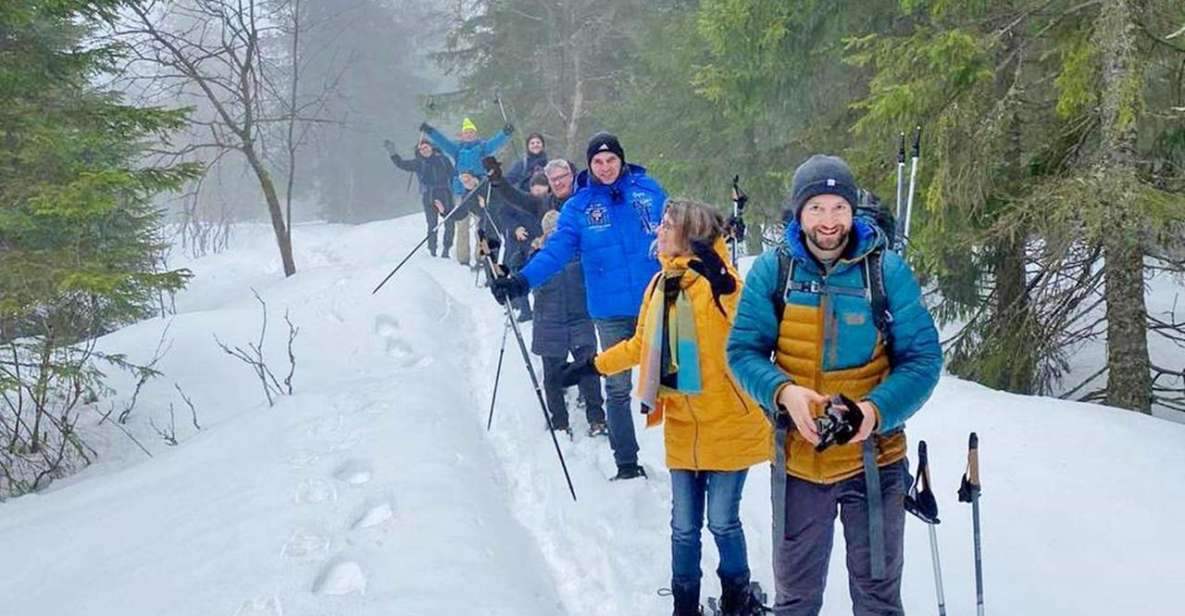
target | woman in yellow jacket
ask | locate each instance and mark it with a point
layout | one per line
(713, 431)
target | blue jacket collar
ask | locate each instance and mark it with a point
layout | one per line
(868, 237)
(587, 180)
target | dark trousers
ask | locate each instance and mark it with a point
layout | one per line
(801, 557)
(432, 217)
(590, 389)
(617, 393)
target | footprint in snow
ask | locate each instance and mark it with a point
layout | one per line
(267, 606)
(373, 516)
(302, 544)
(304, 459)
(402, 353)
(353, 472)
(313, 491)
(342, 577)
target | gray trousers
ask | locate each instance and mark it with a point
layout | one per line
(801, 557)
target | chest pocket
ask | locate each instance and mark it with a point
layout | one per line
(850, 332)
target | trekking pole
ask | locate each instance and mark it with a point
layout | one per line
(492, 271)
(921, 502)
(969, 492)
(505, 120)
(444, 220)
(497, 376)
(898, 239)
(739, 199)
(497, 231)
(913, 176)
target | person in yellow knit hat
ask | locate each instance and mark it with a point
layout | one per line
(713, 432)
(466, 153)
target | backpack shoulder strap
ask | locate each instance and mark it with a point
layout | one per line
(875, 276)
(785, 275)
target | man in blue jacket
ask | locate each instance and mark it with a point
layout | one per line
(611, 221)
(466, 154)
(839, 314)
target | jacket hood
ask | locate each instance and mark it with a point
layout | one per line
(586, 179)
(867, 237)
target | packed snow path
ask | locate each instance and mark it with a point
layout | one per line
(376, 489)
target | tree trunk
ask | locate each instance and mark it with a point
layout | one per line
(577, 109)
(1013, 307)
(274, 209)
(1129, 379)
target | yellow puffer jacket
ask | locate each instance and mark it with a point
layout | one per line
(800, 338)
(721, 429)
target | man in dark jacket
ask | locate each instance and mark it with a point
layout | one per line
(531, 163)
(550, 195)
(434, 173)
(562, 326)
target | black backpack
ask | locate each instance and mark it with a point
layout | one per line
(869, 207)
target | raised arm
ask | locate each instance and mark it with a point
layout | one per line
(438, 139)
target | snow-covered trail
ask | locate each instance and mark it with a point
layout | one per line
(377, 490)
(370, 491)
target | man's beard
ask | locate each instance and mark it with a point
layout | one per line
(828, 243)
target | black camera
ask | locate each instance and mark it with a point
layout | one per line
(839, 423)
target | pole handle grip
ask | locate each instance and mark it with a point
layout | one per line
(901, 150)
(973, 459)
(917, 141)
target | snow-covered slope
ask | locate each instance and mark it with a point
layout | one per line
(375, 489)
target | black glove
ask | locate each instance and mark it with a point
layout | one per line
(508, 129)
(424, 127)
(573, 372)
(390, 147)
(509, 287)
(493, 169)
(736, 228)
(711, 266)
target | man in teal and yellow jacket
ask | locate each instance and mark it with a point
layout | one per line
(840, 314)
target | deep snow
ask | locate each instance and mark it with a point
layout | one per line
(375, 489)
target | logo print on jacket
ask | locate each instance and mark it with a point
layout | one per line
(643, 203)
(598, 215)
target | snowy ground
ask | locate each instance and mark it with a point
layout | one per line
(376, 489)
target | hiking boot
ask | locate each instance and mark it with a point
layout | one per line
(686, 600)
(629, 471)
(444, 253)
(598, 428)
(432, 251)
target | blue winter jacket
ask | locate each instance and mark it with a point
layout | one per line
(467, 155)
(915, 355)
(612, 228)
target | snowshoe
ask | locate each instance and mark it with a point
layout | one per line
(750, 601)
(629, 471)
